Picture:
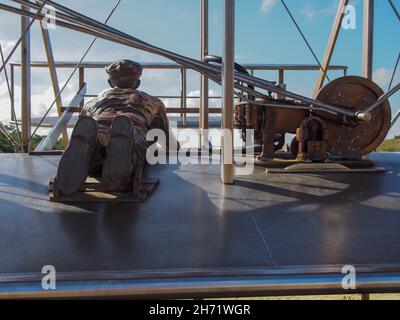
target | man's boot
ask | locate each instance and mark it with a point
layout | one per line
(74, 164)
(118, 166)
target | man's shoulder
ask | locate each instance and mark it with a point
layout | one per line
(145, 94)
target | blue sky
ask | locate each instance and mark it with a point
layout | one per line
(264, 34)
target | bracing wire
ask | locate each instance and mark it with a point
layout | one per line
(9, 137)
(305, 39)
(394, 9)
(11, 98)
(24, 34)
(398, 58)
(79, 22)
(72, 74)
(394, 72)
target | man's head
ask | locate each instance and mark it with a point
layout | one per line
(124, 74)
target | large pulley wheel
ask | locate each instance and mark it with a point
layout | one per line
(355, 93)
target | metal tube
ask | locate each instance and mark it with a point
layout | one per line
(25, 84)
(368, 38)
(197, 65)
(228, 92)
(383, 98)
(210, 71)
(115, 35)
(279, 105)
(183, 95)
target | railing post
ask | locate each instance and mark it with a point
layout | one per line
(12, 89)
(227, 174)
(25, 84)
(184, 95)
(204, 85)
(368, 38)
(281, 77)
(81, 83)
(282, 81)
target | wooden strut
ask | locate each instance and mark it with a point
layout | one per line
(331, 46)
(54, 78)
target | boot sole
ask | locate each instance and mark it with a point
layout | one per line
(74, 164)
(118, 167)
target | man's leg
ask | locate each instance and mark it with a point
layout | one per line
(99, 153)
(74, 164)
(118, 166)
(139, 161)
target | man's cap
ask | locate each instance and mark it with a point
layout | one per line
(122, 70)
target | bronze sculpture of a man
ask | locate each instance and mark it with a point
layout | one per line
(110, 135)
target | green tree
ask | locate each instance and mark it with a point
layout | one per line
(7, 147)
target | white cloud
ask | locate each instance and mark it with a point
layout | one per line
(194, 103)
(40, 101)
(267, 5)
(309, 13)
(312, 12)
(382, 76)
(7, 46)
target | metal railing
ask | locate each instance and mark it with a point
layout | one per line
(183, 97)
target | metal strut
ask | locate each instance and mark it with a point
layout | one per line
(34, 17)
(71, 19)
(87, 25)
(19, 142)
(72, 73)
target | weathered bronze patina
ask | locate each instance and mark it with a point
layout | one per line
(321, 135)
(110, 137)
